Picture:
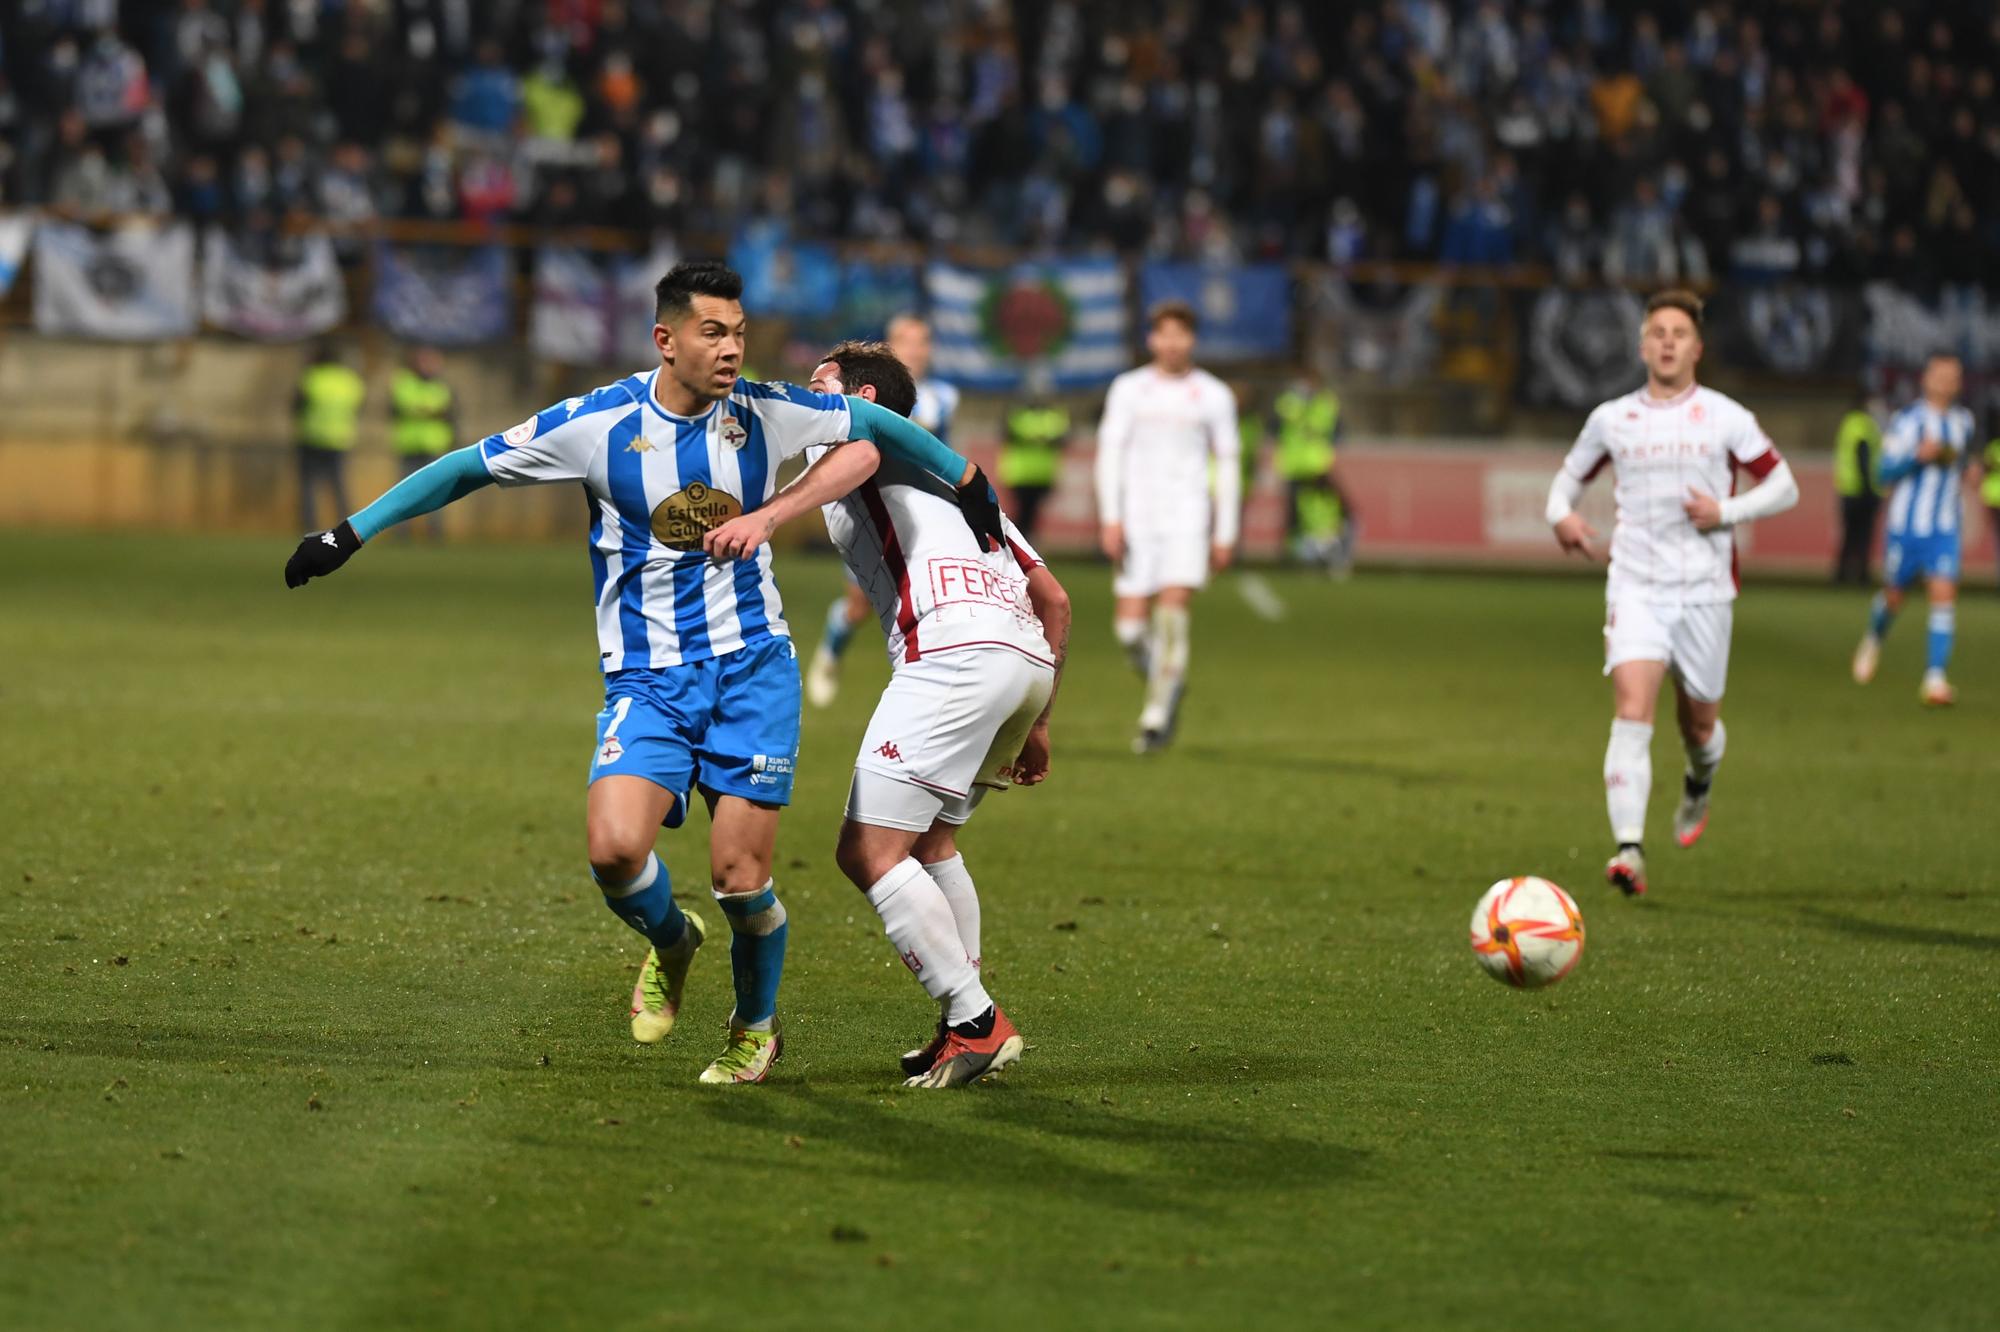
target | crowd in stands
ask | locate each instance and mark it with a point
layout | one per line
(1755, 139)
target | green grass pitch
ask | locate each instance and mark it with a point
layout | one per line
(311, 1018)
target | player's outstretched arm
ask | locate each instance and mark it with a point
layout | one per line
(1777, 492)
(836, 473)
(900, 437)
(454, 476)
(1052, 608)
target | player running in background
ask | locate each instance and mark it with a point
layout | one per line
(701, 682)
(1674, 448)
(1924, 454)
(1169, 430)
(977, 639)
(909, 337)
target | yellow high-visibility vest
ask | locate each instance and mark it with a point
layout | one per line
(420, 413)
(1850, 478)
(330, 398)
(1307, 423)
(1032, 452)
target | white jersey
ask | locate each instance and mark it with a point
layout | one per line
(1160, 439)
(934, 588)
(657, 483)
(1659, 450)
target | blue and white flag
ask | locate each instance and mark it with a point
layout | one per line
(1245, 309)
(593, 311)
(135, 284)
(448, 297)
(1063, 324)
(16, 230)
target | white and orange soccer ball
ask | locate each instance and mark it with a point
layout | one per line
(1527, 932)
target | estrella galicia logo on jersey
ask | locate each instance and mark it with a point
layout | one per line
(732, 432)
(684, 516)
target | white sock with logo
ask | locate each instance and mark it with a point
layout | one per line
(955, 882)
(1628, 778)
(1168, 665)
(918, 921)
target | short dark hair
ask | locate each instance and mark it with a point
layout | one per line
(1676, 298)
(873, 363)
(1177, 310)
(673, 295)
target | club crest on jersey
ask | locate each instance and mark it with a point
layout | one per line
(686, 515)
(611, 752)
(732, 432)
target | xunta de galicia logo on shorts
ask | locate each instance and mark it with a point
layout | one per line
(686, 514)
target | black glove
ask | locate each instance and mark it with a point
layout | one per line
(320, 553)
(981, 509)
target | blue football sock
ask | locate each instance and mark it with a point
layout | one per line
(647, 904)
(757, 953)
(838, 630)
(1944, 623)
(1880, 617)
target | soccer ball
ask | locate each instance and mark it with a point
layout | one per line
(1527, 932)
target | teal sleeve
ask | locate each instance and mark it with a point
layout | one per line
(904, 438)
(451, 477)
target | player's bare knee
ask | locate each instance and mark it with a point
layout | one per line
(865, 853)
(618, 850)
(738, 872)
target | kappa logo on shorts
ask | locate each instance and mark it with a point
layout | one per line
(890, 752)
(611, 752)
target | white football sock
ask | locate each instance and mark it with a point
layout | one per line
(1628, 778)
(955, 882)
(1168, 666)
(919, 923)
(1132, 637)
(1703, 761)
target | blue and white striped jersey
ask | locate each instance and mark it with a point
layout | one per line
(657, 483)
(937, 404)
(1927, 496)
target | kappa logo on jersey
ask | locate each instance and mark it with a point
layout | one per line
(683, 517)
(522, 433)
(640, 444)
(890, 752)
(732, 432)
(328, 539)
(611, 752)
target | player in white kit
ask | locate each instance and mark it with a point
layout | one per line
(909, 338)
(1168, 429)
(976, 640)
(1674, 448)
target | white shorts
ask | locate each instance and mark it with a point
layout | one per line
(948, 728)
(1153, 562)
(1693, 641)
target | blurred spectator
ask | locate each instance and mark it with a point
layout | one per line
(1808, 137)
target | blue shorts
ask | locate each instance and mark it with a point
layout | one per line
(1911, 557)
(728, 725)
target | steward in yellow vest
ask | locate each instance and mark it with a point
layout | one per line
(1319, 522)
(423, 422)
(326, 417)
(1857, 448)
(1031, 459)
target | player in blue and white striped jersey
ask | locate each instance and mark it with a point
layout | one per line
(1924, 456)
(701, 681)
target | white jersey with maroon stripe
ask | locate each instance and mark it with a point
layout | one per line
(1660, 449)
(1167, 453)
(908, 547)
